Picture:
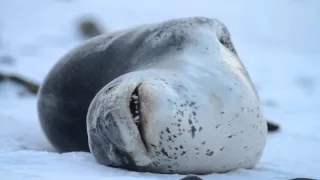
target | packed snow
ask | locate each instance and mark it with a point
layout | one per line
(278, 41)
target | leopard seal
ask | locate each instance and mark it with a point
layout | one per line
(166, 97)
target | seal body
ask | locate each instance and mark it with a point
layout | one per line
(169, 97)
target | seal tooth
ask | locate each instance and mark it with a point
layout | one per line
(134, 97)
(134, 105)
(136, 119)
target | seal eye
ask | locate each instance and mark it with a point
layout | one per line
(228, 44)
(224, 42)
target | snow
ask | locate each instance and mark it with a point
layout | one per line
(278, 41)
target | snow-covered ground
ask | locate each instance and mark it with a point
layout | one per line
(278, 41)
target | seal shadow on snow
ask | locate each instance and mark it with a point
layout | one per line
(191, 177)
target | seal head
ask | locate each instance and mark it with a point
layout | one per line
(192, 110)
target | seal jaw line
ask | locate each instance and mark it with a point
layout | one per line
(134, 106)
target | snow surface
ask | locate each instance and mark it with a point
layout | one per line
(278, 41)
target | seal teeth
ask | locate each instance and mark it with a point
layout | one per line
(135, 106)
(135, 112)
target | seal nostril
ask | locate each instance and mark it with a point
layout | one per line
(135, 111)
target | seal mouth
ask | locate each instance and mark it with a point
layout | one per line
(135, 106)
(135, 111)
